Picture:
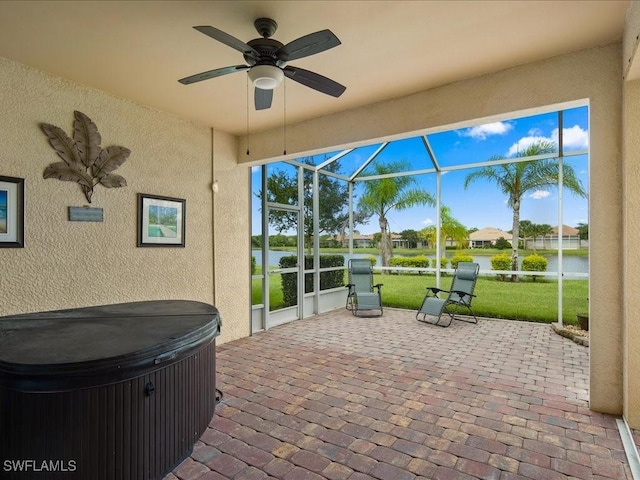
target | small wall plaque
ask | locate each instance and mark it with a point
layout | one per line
(85, 214)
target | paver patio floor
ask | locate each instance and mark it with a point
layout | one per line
(340, 397)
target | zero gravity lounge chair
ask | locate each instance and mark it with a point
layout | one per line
(438, 303)
(362, 296)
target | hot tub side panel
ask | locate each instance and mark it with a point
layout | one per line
(137, 429)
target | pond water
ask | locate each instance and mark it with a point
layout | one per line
(570, 264)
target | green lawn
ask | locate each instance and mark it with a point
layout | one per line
(525, 300)
(407, 252)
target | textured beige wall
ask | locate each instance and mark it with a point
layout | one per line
(232, 239)
(631, 179)
(71, 264)
(595, 75)
(630, 41)
(632, 256)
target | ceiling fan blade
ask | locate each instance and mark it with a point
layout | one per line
(308, 45)
(262, 98)
(218, 72)
(229, 40)
(315, 81)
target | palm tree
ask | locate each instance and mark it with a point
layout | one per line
(450, 229)
(527, 230)
(542, 231)
(516, 179)
(391, 193)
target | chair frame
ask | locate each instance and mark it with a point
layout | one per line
(454, 298)
(352, 297)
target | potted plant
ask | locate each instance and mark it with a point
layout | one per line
(583, 320)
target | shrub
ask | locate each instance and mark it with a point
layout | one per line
(502, 244)
(331, 279)
(501, 261)
(420, 261)
(253, 265)
(456, 259)
(444, 261)
(373, 260)
(534, 263)
(397, 261)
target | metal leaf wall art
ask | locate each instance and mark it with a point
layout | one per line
(84, 160)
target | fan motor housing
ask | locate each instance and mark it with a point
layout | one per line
(267, 48)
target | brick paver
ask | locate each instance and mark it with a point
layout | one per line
(340, 397)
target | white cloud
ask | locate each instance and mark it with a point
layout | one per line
(481, 132)
(524, 143)
(573, 138)
(538, 194)
(428, 222)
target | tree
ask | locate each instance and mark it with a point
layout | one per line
(332, 216)
(527, 230)
(533, 230)
(450, 229)
(583, 228)
(516, 179)
(391, 193)
(411, 237)
(542, 231)
(278, 240)
(501, 243)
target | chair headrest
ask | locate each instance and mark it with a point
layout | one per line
(361, 268)
(467, 272)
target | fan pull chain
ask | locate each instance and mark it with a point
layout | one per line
(284, 96)
(248, 152)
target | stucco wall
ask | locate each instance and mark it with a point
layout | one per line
(232, 239)
(594, 75)
(630, 41)
(71, 264)
(632, 256)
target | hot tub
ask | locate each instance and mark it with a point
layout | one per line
(115, 392)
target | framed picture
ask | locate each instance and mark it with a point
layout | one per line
(161, 221)
(11, 212)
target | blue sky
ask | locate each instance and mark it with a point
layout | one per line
(481, 204)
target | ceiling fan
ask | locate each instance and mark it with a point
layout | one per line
(267, 61)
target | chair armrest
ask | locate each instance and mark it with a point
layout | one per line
(436, 290)
(462, 294)
(378, 285)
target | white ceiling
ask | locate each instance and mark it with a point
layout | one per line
(139, 49)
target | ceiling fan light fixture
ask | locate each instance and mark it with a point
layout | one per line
(265, 59)
(266, 77)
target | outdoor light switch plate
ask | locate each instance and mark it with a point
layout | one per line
(85, 214)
